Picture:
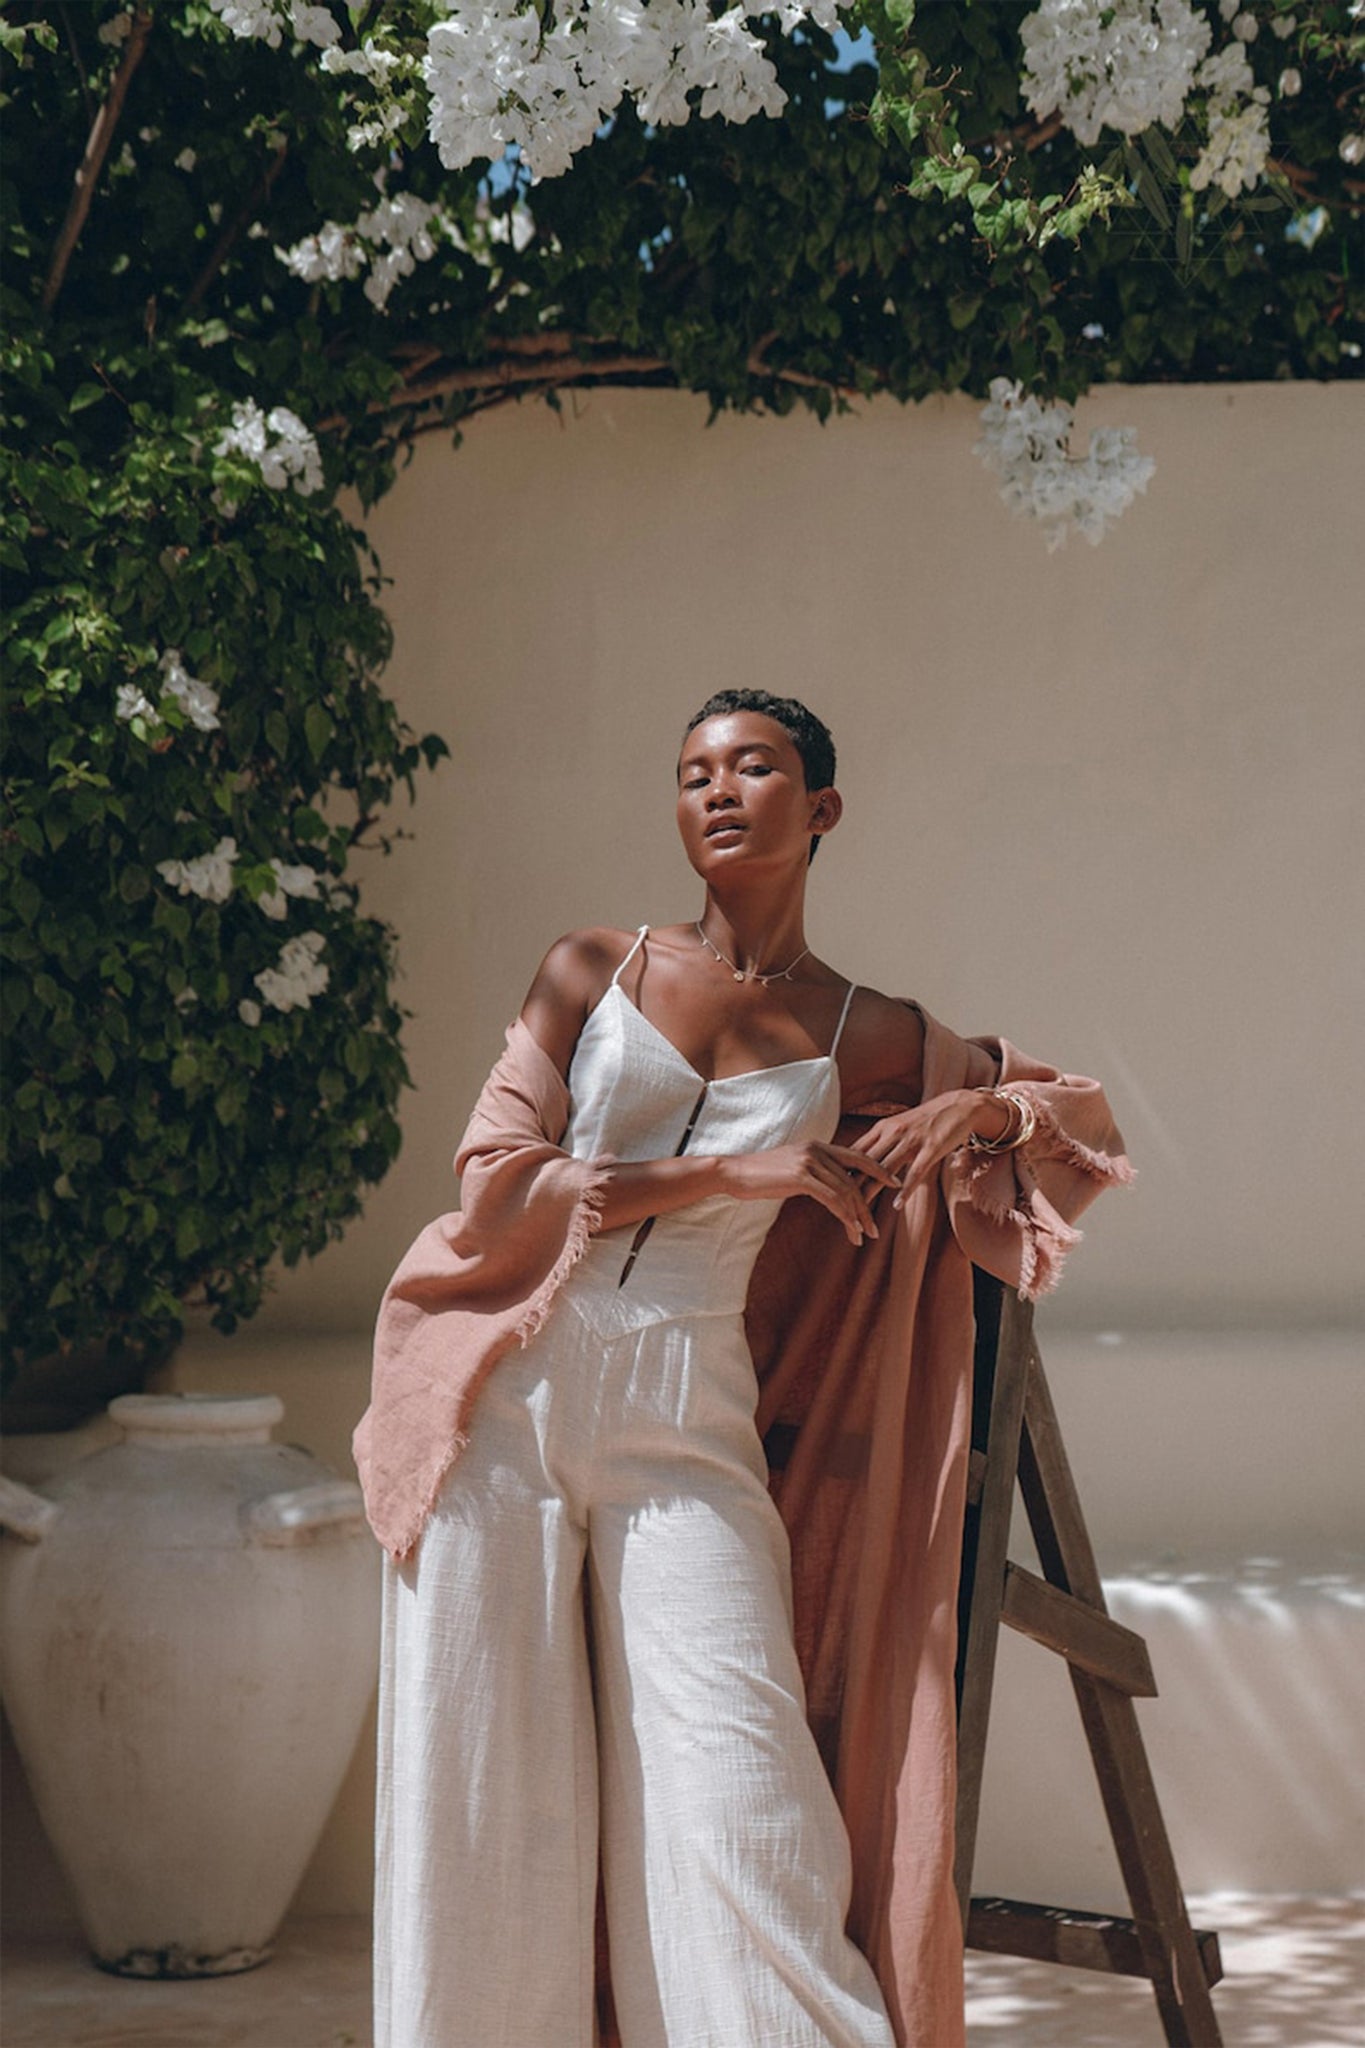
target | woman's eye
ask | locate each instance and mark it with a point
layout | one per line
(757, 768)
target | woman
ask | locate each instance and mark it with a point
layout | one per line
(585, 1334)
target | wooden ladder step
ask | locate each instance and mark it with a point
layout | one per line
(1085, 1941)
(1088, 1638)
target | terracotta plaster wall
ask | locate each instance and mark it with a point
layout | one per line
(1105, 801)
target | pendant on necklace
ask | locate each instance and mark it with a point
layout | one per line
(738, 976)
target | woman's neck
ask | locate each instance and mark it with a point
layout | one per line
(756, 931)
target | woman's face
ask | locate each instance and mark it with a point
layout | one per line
(742, 796)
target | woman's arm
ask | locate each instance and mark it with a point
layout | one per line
(570, 982)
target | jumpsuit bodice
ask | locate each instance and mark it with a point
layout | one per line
(634, 1096)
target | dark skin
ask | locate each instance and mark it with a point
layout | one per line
(746, 819)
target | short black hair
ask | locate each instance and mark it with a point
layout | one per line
(811, 737)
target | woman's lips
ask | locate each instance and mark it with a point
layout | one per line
(722, 831)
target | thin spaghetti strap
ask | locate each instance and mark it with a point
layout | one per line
(639, 941)
(843, 1018)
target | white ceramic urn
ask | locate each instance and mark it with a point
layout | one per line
(189, 1630)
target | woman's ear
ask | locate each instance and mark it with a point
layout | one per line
(826, 811)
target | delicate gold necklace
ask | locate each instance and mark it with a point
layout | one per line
(778, 974)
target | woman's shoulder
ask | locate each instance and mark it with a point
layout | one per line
(581, 957)
(882, 1052)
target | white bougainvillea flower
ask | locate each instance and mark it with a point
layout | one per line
(496, 78)
(299, 881)
(290, 457)
(1235, 154)
(198, 700)
(313, 25)
(266, 20)
(249, 1012)
(299, 976)
(1120, 66)
(130, 702)
(393, 236)
(209, 875)
(259, 19)
(369, 61)
(1027, 443)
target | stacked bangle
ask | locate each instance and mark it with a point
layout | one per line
(1023, 1122)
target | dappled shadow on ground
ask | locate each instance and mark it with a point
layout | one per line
(1294, 1977)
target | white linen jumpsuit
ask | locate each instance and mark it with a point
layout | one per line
(622, 1436)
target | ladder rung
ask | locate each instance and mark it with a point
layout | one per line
(1084, 1635)
(1085, 1941)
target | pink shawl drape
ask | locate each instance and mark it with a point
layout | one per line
(864, 1360)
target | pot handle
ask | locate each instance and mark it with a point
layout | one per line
(24, 1513)
(304, 1512)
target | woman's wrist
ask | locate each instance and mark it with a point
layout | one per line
(1004, 1120)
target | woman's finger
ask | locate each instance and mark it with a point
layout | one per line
(838, 1188)
(854, 1161)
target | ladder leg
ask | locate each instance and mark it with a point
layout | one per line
(986, 1582)
(1159, 1915)
(1111, 1727)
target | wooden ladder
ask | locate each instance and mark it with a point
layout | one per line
(1015, 1435)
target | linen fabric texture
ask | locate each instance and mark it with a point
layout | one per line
(621, 1442)
(863, 1355)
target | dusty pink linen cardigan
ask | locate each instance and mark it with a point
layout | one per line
(865, 1353)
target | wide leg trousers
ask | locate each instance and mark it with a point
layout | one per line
(684, 1755)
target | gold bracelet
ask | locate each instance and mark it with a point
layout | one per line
(1010, 1139)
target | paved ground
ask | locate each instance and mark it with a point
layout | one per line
(1295, 1979)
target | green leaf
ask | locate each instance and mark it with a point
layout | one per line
(318, 730)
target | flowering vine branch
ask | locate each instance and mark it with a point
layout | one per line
(92, 161)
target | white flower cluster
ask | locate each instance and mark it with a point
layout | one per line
(1119, 66)
(495, 78)
(289, 881)
(393, 237)
(1126, 65)
(1239, 122)
(299, 976)
(199, 701)
(210, 876)
(291, 456)
(1027, 444)
(265, 21)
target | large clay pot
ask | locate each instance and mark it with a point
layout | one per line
(189, 1627)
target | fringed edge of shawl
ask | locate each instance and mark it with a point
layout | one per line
(583, 1224)
(1115, 1169)
(1044, 1241)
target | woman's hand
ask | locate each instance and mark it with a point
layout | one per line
(833, 1175)
(912, 1144)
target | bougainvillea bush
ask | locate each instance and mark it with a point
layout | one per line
(253, 247)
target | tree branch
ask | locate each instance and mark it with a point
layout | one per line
(87, 97)
(96, 150)
(257, 197)
(552, 368)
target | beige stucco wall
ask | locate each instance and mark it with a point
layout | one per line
(1106, 801)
